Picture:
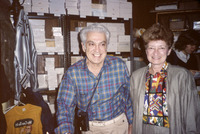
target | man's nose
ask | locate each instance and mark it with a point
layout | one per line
(97, 48)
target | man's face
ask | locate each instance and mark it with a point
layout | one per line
(189, 49)
(95, 48)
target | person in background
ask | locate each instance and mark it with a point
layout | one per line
(165, 99)
(183, 54)
(110, 110)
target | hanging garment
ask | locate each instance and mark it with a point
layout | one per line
(24, 120)
(25, 56)
(3, 126)
(7, 47)
(5, 90)
(35, 98)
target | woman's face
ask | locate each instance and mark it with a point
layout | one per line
(189, 49)
(157, 52)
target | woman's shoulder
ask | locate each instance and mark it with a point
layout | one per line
(140, 70)
(177, 70)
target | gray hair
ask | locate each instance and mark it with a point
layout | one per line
(96, 27)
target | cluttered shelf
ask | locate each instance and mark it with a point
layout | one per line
(179, 20)
(173, 11)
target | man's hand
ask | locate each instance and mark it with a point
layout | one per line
(130, 127)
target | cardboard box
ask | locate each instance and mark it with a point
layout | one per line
(50, 43)
(176, 24)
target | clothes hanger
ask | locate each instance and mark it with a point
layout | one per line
(17, 103)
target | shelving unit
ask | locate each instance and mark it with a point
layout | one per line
(178, 20)
(52, 21)
(64, 21)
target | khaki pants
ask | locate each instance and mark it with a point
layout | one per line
(117, 127)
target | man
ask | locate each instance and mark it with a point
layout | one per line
(110, 110)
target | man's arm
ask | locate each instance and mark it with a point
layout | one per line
(130, 128)
(65, 106)
(129, 106)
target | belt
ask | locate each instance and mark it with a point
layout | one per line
(104, 123)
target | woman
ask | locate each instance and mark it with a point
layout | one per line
(183, 55)
(164, 96)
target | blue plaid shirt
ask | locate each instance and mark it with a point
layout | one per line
(111, 98)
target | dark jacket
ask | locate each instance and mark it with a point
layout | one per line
(190, 65)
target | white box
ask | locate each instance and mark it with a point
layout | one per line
(112, 47)
(59, 78)
(40, 9)
(126, 16)
(40, 3)
(52, 108)
(42, 81)
(26, 2)
(123, 38)
(27, 8)
(71, 3)
(125, 5)
(112, 28)
(37, 22)
(57, 2)
(39, 35)
(125, 11)
(123, 47)
(57, 9)
(74, 59)
(85, 3)
(71, 0)
(85, 13)
(72, 10)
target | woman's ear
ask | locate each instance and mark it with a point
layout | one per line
(169, 51)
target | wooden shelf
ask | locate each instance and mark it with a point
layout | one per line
(174, 11)
(187, 17)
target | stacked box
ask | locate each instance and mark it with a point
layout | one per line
(74, 42)
(123, 43)
(40, 6)
(42, 81)
(38, 28)
(60, 73)
(99, 10)
(51, 74)
(72, 7)
(112, 46)
(112, 9)
(27, 5)
(125, 10)
(57, 7)
(57, 33)
(85, 8)
(74, 59)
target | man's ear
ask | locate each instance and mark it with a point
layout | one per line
(83, 47)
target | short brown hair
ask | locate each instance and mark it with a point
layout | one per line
(158, 32)
(189, 37)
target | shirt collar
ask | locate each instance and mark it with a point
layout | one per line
(164, 68)
(182, 56)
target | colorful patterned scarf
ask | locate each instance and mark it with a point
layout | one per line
(155, 101)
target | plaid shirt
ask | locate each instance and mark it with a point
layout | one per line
(111, 98)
